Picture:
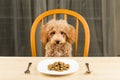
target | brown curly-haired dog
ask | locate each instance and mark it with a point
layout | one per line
(58, 36)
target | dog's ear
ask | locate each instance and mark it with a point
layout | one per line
(43, 34)
(71, 33)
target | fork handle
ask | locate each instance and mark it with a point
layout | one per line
(29, 65)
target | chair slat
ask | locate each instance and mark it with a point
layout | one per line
(54, 16)
(42, 22)
(65, 17)
(76, 42)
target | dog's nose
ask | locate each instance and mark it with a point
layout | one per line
(57, 41)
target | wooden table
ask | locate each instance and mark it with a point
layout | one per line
(103, 68)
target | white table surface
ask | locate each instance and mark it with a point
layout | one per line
(103, 68)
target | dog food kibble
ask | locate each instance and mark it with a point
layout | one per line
(58, 66)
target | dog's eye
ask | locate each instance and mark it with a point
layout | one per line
(62, 32)
(52, 33)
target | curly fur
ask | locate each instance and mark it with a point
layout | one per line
(58, 36)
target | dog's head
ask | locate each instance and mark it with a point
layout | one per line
(57, 32)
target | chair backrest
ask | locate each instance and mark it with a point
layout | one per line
(65, 12)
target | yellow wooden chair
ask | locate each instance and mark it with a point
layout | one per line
(65, 12)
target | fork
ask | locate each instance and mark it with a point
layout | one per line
(28, 71)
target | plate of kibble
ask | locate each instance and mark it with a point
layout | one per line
(57, 66)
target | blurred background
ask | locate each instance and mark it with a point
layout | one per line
(17, 16)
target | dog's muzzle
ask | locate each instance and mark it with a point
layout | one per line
(57, 41)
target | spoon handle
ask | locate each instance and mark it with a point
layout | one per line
(87, 65)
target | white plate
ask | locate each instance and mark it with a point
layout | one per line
(43, 66)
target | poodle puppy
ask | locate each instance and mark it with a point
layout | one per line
(58, 36)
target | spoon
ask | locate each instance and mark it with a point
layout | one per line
(88, 70)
